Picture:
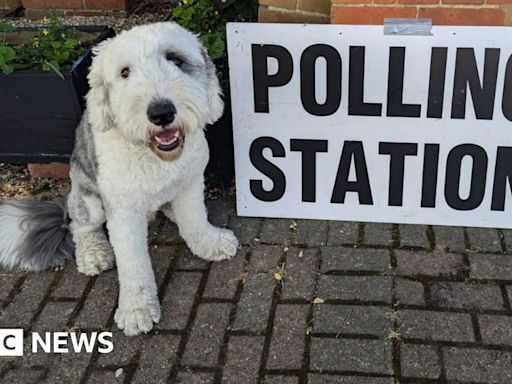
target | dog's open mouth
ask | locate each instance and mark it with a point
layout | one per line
(168, 139)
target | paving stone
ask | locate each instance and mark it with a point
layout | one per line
(484, 240)
(276, 231)
(166, 234)
(300, 273)
(331, 379)
(351, 319)
(354, 355)
(265, 258)
(341, 232)
(436, 326)
(23, 376)
(378, 234)
(185, 260)
(280, 380)
(194, 378)
(449, 238)
(25, 304)
(489, 266)
(100, 302)
(224, 276)
(7, 281)
(207, 334)
(72, 284)
(507, 234)
(288, 337)
(219, 211)
(102, 377)
(66, 368)
(466, 296)
(420, 263)
(179, 299)
(311, 232)
(419, 361)
(476, 365)
(243, 360)
(357, 288)
(161, 258)
(246, 229)
(255, 301)
(158, 355)
(54, 317)
(495, 330)
(414, 236)
(355, 259)
(125, 349)
(409, 292)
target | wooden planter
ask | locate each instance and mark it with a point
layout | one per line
(39, 111)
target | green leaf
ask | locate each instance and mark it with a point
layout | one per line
(6, 27)
(70, 43)
(56, 68)
(7, 69)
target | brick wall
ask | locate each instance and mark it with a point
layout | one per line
(39, 8)
(294, 11)
(442, 12)
(8, 5)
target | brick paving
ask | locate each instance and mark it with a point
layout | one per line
(313, 302)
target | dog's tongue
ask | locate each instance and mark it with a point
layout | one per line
(167, 136)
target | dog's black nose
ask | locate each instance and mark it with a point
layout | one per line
(161, 113)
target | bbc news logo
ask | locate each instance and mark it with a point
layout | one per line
(11, 342)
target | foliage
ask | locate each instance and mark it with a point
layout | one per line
(52, 48)
(208, 18)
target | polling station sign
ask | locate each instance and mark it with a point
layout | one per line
(350, 123)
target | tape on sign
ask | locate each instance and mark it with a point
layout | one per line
(408, 27)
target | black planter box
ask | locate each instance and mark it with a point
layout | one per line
(39, 111)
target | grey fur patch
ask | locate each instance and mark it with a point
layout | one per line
(84, 154)
(47, 241)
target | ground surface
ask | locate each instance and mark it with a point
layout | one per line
(303, 302)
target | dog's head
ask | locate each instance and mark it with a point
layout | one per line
(154, 83)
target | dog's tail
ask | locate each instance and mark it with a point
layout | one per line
(35, 235)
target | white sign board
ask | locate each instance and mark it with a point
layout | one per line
(347, 123)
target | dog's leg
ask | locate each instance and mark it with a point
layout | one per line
(138, 301)
(93, 251)
(188, 211)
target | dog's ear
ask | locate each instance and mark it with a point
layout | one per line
(216, 105)
(98, 104)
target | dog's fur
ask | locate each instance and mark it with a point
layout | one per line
(119, 176)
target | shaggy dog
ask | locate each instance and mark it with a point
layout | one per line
(140, 147)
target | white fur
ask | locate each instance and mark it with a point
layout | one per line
(132, 181)
(12, 233)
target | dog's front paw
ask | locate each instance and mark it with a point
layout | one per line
(93, 253)
(139, 318)
(218, 244)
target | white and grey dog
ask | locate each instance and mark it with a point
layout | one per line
(140, 147)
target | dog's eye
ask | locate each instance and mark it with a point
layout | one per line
(175, 59)
(125, 72)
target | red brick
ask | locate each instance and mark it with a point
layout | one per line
(275, 16)
(457, 2)
(419, 1)
(57, 171)
(499, 1)
(354, 1)
(287, 4)
(10, 4)
(63, 4)
(107, 4)
(32, 4)
(317, 6)
(384, 1)
(463, 16)
(369, 15)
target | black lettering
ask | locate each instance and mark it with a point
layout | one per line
(309, 149)
(397, 153)
(436, 82)
(356, 104)
(478, 177)
(466, 73)
(352, 150)
(395, 106)
(502, 173)
(6, 346)
(430, 171)
(267, 168)
(262, 81)
(506, 103)
(308, 79)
